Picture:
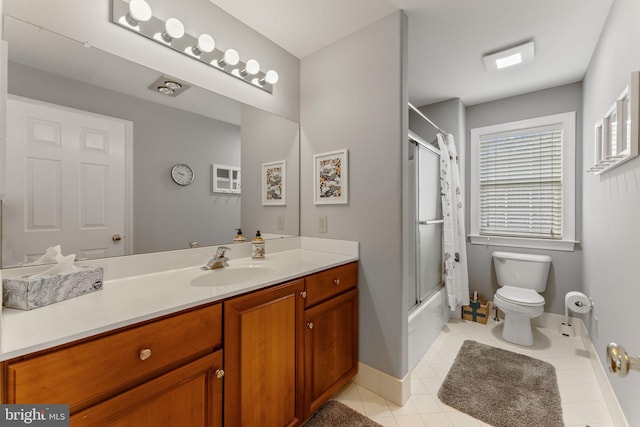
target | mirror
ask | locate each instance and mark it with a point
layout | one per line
(112, 191)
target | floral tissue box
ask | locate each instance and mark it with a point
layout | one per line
(29, 292)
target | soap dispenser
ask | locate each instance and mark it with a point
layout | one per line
(257, 246)
(239, 237)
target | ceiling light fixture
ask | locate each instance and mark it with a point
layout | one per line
(506, 58)
(137, 16)
(168, 86)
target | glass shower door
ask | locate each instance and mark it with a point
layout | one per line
(429, 223)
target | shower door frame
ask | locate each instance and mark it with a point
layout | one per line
(419, 297)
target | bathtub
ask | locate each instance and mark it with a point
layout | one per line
(425, 323)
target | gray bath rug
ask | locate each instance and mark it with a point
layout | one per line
(502, 388)
(336, 414)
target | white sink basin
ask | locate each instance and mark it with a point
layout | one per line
(232, 275)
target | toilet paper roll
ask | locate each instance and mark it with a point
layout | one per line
(577, 302)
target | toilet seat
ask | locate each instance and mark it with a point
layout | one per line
(520, 296)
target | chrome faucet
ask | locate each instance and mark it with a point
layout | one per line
(219, 260)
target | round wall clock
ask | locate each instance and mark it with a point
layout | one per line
(182, 174)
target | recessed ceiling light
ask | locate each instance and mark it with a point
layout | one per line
(509, 57)
(168, 86)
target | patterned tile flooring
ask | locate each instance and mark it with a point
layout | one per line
(582, 401)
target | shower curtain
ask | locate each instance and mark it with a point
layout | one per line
(454, 252)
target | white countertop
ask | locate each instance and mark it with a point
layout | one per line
(130, 300)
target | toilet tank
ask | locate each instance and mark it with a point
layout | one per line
(522, 270)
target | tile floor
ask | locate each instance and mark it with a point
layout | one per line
(582, 401)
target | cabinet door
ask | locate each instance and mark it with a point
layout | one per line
(330, 348)
(189, 396)
(263, 336)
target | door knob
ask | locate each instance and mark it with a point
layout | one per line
(116, 237)
(219, 373)
(310, 325)
(620, 363)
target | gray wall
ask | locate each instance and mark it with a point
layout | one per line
(566, 269)
(611, 232)
(266, 139)
(166, 216)
(343, 107)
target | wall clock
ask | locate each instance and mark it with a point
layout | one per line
(182, 174)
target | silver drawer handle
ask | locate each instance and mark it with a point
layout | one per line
(145, 353)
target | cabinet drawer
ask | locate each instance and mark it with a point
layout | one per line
(326, 284)
(85, 373)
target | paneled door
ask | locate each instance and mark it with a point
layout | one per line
(65, 182)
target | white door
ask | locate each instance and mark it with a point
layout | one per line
(65, 182)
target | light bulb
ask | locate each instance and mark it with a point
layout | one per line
(139, 11)
(173, 29)
(270, 77)
(172, 85)
(251, 68)
(206, 44)
(166, 90)
(231, 57)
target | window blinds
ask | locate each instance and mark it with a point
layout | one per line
(521, 183)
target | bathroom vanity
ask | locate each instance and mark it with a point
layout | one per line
(264, 351)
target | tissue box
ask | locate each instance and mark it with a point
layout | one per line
(26, 293)
(477, 311)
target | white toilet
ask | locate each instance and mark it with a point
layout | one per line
(520, 277)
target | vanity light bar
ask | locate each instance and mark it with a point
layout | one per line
(136, 16)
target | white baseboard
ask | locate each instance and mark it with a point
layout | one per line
(553, 321)
(384, 385)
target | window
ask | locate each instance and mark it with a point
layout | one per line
(523, 183)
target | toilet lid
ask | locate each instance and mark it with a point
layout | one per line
(520, 295)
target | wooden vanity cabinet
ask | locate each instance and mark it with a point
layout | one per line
(331, 334)
(190, 395)
(287, 349)
(170, 368)
(263, 359)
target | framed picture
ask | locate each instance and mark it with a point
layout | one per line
(330, 178)
(273, 183)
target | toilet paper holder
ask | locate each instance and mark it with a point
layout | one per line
(620, 363)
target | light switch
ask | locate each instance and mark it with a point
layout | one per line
(322, 226)
(280, 222)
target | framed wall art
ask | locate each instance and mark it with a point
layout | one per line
(330, 177)
(274, 183)
(616, 135)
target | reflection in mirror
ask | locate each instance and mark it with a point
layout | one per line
(92, 143)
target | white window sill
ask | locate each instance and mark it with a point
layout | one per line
(518, 242)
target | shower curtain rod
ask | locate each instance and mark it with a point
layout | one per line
(421, 114)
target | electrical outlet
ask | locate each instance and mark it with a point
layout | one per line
(281, 222)
(322, 226)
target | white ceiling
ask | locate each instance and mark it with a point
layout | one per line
(447, 38)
